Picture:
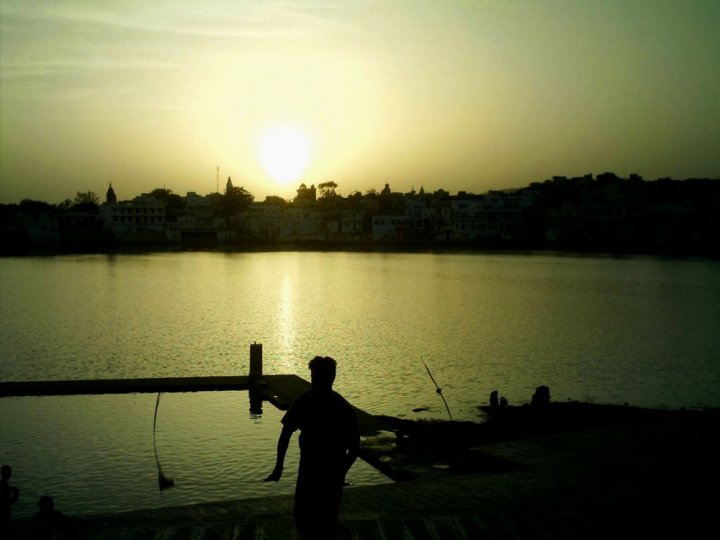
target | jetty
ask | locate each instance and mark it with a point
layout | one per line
(279, 390)
(123, 386)
(286, 387)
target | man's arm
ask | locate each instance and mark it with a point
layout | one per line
(282, 446)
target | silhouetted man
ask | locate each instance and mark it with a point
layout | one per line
(329, 444)
(47, 522)
(47, 512)
(8, 496)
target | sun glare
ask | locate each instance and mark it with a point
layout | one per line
(285, 153)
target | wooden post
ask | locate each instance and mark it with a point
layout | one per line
(256, 368)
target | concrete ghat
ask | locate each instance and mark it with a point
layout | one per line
(654, 479)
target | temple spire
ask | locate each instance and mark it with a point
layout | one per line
(110, 197)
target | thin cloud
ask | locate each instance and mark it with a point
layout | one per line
(18, 70)
(267, 21)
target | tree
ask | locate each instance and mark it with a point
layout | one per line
(172, 200)
(329, 198)
(86, 201)
(234, 200)
(275, 200)
(305, 194)
(29, 205)
(327, 190)
(86, 198)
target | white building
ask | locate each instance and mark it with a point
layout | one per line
(391, 226)
(303, 224)
(140, 220)
(351, 222)
(264, 220)
(495, 215)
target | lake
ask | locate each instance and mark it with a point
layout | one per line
(638, 330)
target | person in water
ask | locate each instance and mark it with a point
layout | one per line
(329, 445)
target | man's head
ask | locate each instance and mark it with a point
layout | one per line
(322, 372)
(6, 472)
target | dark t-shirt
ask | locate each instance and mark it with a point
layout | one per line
(327, 423)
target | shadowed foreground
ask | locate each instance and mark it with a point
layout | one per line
(654, 476)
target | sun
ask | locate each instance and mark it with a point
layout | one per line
(285, 153)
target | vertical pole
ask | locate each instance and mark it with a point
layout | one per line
(255, 380)
(256, 368)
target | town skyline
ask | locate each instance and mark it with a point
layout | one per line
(604, 212)
(465, 95)
(221, 188)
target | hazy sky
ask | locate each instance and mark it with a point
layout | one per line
(471, 95)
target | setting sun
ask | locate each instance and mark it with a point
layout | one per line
(285, 153)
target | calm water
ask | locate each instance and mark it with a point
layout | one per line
(636, 330)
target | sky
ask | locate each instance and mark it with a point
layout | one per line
(459, 95)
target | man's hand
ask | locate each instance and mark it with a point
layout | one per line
(274, 476)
